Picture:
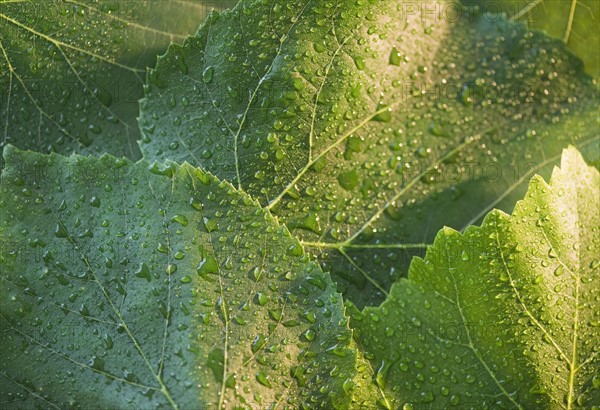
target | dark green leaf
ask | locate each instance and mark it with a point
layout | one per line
(575, 22)
(133, 286)
(71, 72)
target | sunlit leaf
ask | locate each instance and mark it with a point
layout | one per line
(505, 315)
(367, 126)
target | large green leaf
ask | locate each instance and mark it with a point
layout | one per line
(575, 22)
(133, 286)
(71, 71)
(505, 315)
(367, 126)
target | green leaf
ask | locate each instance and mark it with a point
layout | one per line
(125, 284)
(367, 126)
(575, 22)
(505, 315)
(71, 72)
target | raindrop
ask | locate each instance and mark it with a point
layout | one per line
(395, 58)
(60, 231)
(263, 379)
(181, 219)
(384, 113)
(171, 269)
(207, 75)
(258, 343)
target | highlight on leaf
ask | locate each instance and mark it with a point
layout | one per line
(300, 232)
(504, 315)
(355, 123)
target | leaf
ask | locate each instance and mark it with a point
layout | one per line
(505, 315)
(125, 284)
(367, 126)
(71, 72)
(575, 22)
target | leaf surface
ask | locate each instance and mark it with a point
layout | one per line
(505, 315)
(367, 126)
(575, 22)
(71, 72)
(125, 284)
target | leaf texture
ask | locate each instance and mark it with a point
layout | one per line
(72, 71)
(129, 285)
(505, 315)
(575, 22)
(367, 126)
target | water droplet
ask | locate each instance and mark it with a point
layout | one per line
(97, 363)
(171, 269)
(360, 63)
(103, 96)
(207, 75)
(395, 58)
(348, 386)
(383, 113)
(276, 314)
(427, 397)
(348, 180)
(310, 335)
(261, 299)
(96, 129)
(143, 272)
(380, 378)
(181, 219)
(60, 231)
(296, 250)
(263, 379)
(208, 265)
(298, 84)
(179, 61)
(258, 343)
(437, 130)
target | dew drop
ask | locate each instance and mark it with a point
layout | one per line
(181, 219)
(360, 63)
(261, 299)
(258, 343)
(383, 113)
(208, 265)
(143, 272)
(263, 379)
(171, 269)
(60, 231)
(207, 75)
